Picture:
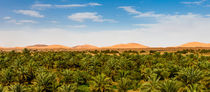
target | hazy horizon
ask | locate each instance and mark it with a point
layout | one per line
(153, 23)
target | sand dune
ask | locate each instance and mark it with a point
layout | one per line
(129, 45)
(42, 46)
(86, 46)
(195, 44)
(120, 46)
(37, 46)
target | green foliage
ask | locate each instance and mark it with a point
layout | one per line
(46, 81)
(1, 88)
(170, 86)
(17, 88)
(100, 83)
(124, 84)
(104, 71)
(190, 75)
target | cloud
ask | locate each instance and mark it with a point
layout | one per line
(6, 18)
(31, 13)
(27, 21)
(131, 10)
(70, 5)
(14, 21)
(194, 3)
(94, 4)
(82, 16)
(169, 30)
(41, 6)
(77, 5)
(77, 26)
(53, 21)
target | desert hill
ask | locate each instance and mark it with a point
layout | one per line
(86, 46)
(40, 46)
(129, 45)
(37, 45)
(195, 44)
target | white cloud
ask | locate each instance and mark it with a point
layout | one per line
(131, 10)
(77, 5)
(21, 21)
(94, 4)
(53, 21)
(6, 18)
(194, 3)
(169, 30)
(70, 5)
(41, 6)
(13, 21)
(30, 13)
(77, 26)
(27, 21)
(82, 16)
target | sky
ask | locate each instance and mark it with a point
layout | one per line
(155, 23)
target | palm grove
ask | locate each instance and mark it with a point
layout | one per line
(104, 71)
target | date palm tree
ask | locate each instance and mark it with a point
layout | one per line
(7, 76)
(152, 84)
(17, 88)
(124, 84)
(68, 88)
(190, 75)
(45, 80)
(195, 88)
(170, 86)
(68, 76)
(2, 88)
(100, 83)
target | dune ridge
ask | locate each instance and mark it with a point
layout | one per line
(85, 46)
(120, 46)
(43, 46)
(195, 44)
(128, 45)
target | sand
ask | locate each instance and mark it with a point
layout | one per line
(195, 44)
(129, 45)
(86, 46)
(42, 46)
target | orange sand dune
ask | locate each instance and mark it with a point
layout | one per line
(86, 46)
(195, 44)
(37, 46)
(57, 46)
(129, 45)
(42, 46)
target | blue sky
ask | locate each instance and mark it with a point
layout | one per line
(103, 22)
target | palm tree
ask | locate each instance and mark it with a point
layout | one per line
(152, 84)
(165, 74)
(195, 88)
(190, 75)
(7, 76)
(21, 74)
(100, 83)
(67, 76)
(67, 88)
(45, 80)
(1, 88)
(124, 84)
(136, 85)
(17, 88)
(123, 74)
(170, 86)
